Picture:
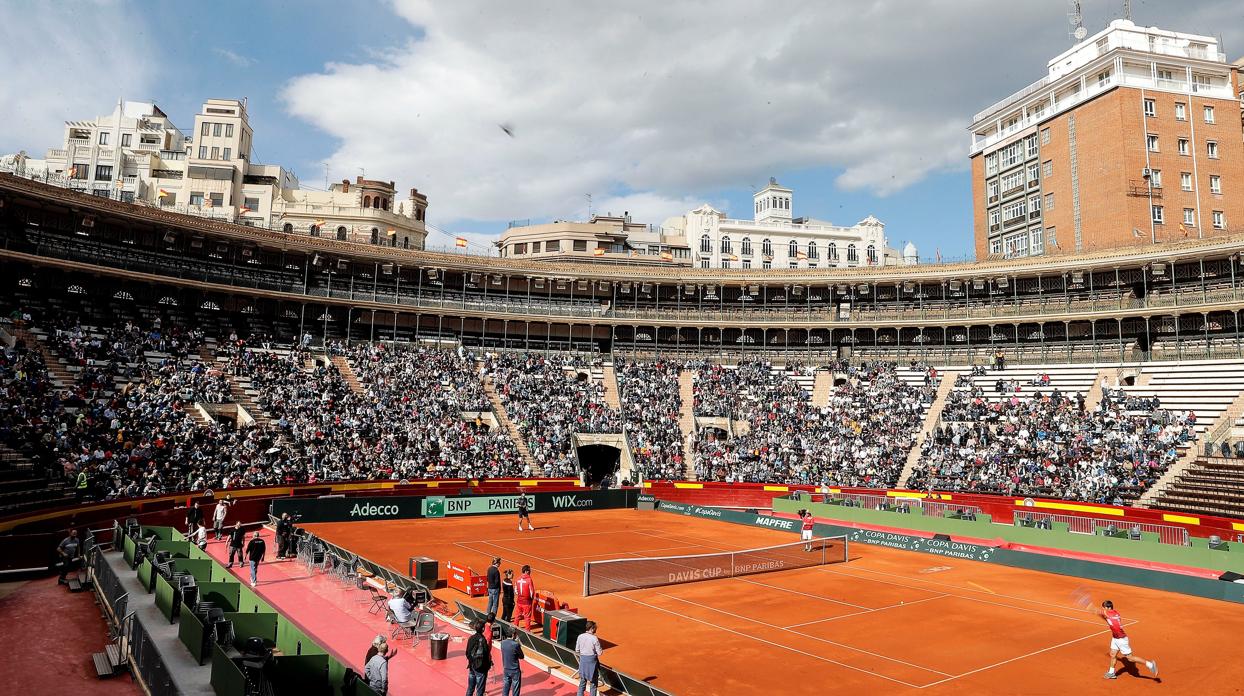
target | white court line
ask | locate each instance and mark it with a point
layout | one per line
(1013, 659)
(758, 639)
(543, 571)
(805, 594)
(808, 637)
(959, 596)
(536, 536)
(870, 611)
(953, 587)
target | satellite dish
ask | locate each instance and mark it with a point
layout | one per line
(1080, 33)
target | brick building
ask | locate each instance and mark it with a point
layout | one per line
(1133, 138)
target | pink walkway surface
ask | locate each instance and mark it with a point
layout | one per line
(338, 619)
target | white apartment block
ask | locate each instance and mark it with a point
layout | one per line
(136, 154)
(773, 238)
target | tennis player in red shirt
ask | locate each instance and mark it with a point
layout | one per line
(805, 532)
(524, 598)
(1120, 647)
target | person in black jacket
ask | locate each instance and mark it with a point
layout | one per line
(237, 539)
(193, 516)
(507, 596)
(479, 660)
(254, 553)
(494, 585)
(284, 532)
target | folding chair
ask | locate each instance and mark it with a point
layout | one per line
(424, 625)
(400, 629)
(378, 600)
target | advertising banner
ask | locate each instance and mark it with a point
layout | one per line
(400, 507)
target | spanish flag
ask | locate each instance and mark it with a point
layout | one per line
(319, 223)
(162, 193)
(392, 232)
(460, 242)
(1183, 230)
(244, 210)
(802, 256)
(667, 256)
(598, 251)
(73, 171)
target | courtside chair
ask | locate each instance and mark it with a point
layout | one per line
(400, 629)
(425, 625)
(378, 600)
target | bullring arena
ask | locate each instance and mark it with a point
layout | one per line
(261, 438)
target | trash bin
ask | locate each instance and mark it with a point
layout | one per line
(440, 645)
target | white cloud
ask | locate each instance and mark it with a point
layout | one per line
(66, 61)
(237, 59)
(648, 105)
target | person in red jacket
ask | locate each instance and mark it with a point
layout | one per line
(524, 597)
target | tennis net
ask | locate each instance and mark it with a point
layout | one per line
(632, 573)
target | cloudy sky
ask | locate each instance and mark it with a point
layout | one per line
(652, 107)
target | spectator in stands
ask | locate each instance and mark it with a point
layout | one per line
(479, 660)
(376, 667)
(587, 646)
(254, 554)
(511, 656)
(237, 537)
(68, 551)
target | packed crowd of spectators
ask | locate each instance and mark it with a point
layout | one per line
(549, 398)
(860, 438)
(126, 420)
(1050, 445)
(652, 409)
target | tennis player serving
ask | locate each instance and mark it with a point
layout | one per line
(1120, 647)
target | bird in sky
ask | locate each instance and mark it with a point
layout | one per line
(509, 130)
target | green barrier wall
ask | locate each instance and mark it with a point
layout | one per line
(145, 573)
(128, 548)
(249, 602)
(1154, 579)
(227, 678)
(1147, 549)
(178, 549)
(248, 625)
(200, 569)
(292, 641)
(190, 631)
(222, 595)
(164, 597)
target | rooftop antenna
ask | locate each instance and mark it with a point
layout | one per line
(325, 175)
(1127, 10)
(1076, 18)
(589, 206)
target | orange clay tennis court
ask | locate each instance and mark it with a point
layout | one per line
(887, 621)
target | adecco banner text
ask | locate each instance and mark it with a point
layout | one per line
(397, 507)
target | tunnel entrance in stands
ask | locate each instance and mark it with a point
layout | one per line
(599, 462)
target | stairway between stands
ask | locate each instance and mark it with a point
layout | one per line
(931, 419)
